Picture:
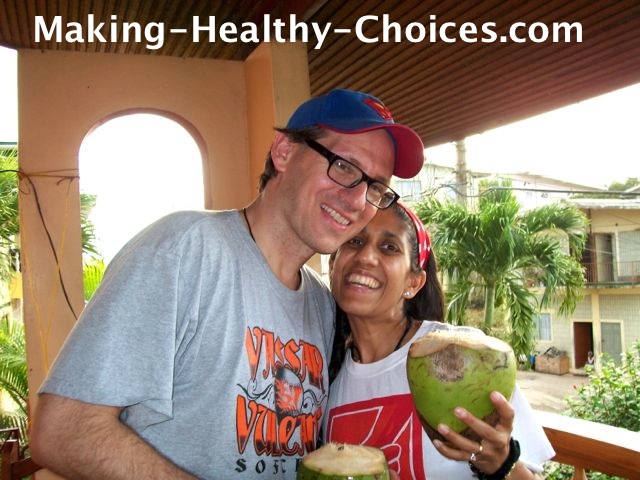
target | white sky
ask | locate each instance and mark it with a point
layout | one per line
(594, 142)
(8, 95)
(141, 167)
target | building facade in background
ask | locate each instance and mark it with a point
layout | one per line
(607, 318)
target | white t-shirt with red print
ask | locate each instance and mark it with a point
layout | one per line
(371, 404)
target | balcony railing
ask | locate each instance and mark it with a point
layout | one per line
(613, 272)
(592, 446)
(584, 445)
(13, 463)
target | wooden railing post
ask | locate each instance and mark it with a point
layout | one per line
(9, 451)
(579, 474)
(13, 464)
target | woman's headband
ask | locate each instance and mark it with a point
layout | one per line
(424, 243)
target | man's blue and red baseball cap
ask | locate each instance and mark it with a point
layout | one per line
(348, 111)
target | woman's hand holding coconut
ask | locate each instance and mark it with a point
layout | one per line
(386, 284)
(460, 380)
(492, 451)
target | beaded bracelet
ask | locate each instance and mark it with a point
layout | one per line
(505, 469)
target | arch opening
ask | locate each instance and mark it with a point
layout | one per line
(140, 167)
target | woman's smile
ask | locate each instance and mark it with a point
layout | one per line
(363, 280)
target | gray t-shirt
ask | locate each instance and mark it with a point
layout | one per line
(219, 366)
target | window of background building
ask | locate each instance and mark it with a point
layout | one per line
(543, 326)
(409, 190)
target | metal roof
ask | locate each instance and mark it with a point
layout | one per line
(605, 203)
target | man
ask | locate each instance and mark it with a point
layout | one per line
(204, 353)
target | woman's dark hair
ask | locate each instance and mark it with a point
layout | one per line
(427, 304)
(296, 135)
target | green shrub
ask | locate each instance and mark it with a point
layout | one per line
(612, 397)
(558, 471)
(13, 375)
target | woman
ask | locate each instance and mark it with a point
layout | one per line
(384, 281)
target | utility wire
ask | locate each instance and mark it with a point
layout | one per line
(23, 175)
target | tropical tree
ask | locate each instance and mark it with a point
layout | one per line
(13, 365)
(9, 216)
(621, 187)
(504, 252)
(8, 211)
(13, 374)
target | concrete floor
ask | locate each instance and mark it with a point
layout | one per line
(546, 391)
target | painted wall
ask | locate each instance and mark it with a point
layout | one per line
(613, 305)
(277, 77)
(624, 308)
(614, 220)
(619, 303)
(64, 95)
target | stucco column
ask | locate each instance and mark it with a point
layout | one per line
(50, 240)
(277, 78)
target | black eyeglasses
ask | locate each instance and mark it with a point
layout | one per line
(348, 175)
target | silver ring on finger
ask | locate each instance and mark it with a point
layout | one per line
(474, 455)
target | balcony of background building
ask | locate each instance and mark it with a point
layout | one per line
(611, 272)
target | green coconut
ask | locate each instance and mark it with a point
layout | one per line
(458, 368)
(341, 461)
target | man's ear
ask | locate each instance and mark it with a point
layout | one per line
(281, 148)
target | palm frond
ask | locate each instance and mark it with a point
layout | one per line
(92, 271)
(522, 308)
(457, 299)
(14, 372)
(508, 250)
(557, 218)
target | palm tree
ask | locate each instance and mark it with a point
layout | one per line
(9, 217)
(505, 252)
(13, 374)
(8, 211)
(13, 365)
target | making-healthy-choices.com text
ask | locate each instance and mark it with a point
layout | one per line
(275, 29)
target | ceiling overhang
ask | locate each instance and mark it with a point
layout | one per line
(445, 88)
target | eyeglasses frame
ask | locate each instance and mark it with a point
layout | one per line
(334, 157)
